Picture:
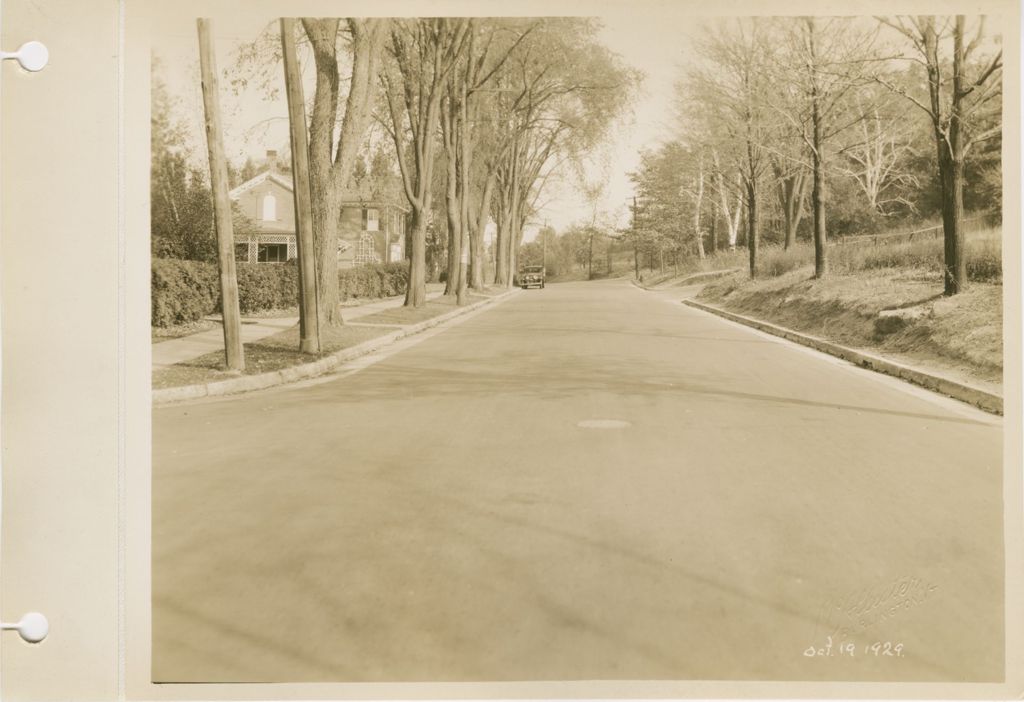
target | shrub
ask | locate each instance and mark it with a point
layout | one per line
(186, 291)
(983, 253)
(985, 260)
(373, 280)
(183, 291)
(775, 261)
(263, 286)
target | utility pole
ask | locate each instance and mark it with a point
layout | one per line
(309, 308)
(235, 355)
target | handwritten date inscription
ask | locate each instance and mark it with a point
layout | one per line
(851, 650)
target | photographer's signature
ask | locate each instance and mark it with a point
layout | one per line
(859, 610)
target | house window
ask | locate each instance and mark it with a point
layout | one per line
(272, 253)
(371, 219)
(269, 208)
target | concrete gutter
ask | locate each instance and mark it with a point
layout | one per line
(983, 399)
(247, 383)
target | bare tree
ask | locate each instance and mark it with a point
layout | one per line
(730, 199)
(877, 154)
(732, 87)
(791, 186)
(826, 58)
(696, 192)
(963, 101)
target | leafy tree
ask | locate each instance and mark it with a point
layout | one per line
(422, 53)
(562, 93)
(336, 138)
(181, 206)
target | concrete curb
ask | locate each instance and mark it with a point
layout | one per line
(982, 399)
(695, 277)
(249, 383)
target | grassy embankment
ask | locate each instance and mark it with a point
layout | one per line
(280, 351)
(883, 297)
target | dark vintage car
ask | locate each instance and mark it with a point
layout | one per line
(531, 276)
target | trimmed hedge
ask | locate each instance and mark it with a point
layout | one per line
(186, 291)
(182, 291)
(267, 286)
(373, 280)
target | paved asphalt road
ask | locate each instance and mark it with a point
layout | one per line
(729, 502)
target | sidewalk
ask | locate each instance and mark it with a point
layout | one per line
(167, 353)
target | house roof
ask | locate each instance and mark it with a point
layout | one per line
(365, 192)
(283, 181)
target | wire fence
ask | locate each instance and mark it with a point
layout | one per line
(933, 232)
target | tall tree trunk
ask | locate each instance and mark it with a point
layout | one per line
(590, 257)
(795, 208)
(734, 223)
(817, 157)
(476, 277)
(955, 264)
(714, 231)
(636, 250)
(501, 267)
(514, 232)
(415, 293)
(818, 205)
(309, 317)
(465, 163)
(696, 210)
(453, 208)
(732, 219)
(792, 190)
(324, 197)
(955, 278)
(330, 165)
(752, 225)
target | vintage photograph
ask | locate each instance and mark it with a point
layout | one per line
(632, 346)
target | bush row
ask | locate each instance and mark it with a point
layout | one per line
(182, 291)
(373, 280)
(186, 291)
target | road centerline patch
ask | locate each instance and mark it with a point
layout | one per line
(603, 424)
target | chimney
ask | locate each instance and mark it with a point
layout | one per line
(272, 160)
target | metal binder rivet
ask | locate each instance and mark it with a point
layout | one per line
(32, 55)
(32, 627)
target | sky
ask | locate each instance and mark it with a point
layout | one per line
(653, 41)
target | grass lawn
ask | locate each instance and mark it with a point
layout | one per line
(413, 315)
(159, 334)
(960, 336)
(490, 291)
(269, 354)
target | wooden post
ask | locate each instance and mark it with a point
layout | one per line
(221, 204)
(309, 309)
